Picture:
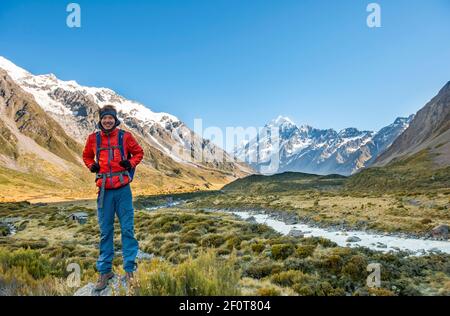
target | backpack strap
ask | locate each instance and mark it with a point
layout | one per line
(122, 152)
(98, 145)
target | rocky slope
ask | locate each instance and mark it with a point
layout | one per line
(45, 121)
(430, 131)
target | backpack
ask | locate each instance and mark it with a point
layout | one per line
(120, 146)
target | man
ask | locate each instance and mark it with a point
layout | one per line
(114, 167)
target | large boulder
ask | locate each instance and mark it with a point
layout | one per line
(353, 239)
(296, 233)
(440, 231)
(116, 286)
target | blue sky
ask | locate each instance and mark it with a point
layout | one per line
(243, 62)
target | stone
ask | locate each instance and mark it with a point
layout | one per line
(296, 233)
(292, 220)
(440, 231)
(353, 239)
(116, 286)
(141, 255)
(89, 290)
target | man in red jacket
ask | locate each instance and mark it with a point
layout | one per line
(116, 154)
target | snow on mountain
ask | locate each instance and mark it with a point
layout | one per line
(75, 107)
(287, 147)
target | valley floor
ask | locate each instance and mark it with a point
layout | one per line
(223, 254)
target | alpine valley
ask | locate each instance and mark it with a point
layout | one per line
(45, 122)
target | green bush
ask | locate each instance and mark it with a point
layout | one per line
(313, 287)
(288, 278)
(259, 269)
(282, 251)
(212, 240)
(36, 265)
(304, 251)
(268, 291)
(205, 275)
(355, 268)
(258, 247)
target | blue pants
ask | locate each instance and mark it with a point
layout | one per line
(117, 201)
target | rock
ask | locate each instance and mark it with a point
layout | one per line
(251, 219)
(4, 230)
(144, 256)
(292, 220)
(296, 233)
(381, 245)
(435, 250)
(440, 231)
(116, 286)
(353, 239)
(88, 290)
(413, 202)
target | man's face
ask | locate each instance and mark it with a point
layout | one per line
(108, 122)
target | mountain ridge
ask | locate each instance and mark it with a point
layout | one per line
(318, 151)
(46, 121)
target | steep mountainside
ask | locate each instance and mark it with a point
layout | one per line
(44, 124)
(419, 159)
(430, 130)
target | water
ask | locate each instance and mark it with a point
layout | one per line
(166, 205)
(373, 241)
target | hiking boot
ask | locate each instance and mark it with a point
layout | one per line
(102, 282)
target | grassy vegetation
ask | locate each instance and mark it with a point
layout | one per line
(328, 201)
(203, 253)
(416, 173)
(288, 181)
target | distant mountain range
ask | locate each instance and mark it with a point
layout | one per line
(311, 150)
(45, 122)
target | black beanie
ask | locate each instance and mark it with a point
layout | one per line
(108, 111)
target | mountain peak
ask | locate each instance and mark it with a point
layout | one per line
(349, 132)
(13, 71)
(281, 120)
(404, 120)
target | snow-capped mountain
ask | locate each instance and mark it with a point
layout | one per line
(75, 107)
(45, 122)
(283, 146)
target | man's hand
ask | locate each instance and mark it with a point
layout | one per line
(126, 164)
(95, 167)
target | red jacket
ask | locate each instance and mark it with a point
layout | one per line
(130, 146)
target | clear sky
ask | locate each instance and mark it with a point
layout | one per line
(243, 62)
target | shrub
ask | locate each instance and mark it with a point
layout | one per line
(31, 261)
(282, 251)
(355, 268)
(205, 275)
(233, 242)
(268, 291)
(212, 240)
(288, 278)
(258, 247)
(304, 251)
(261, 268)
(313, 287)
